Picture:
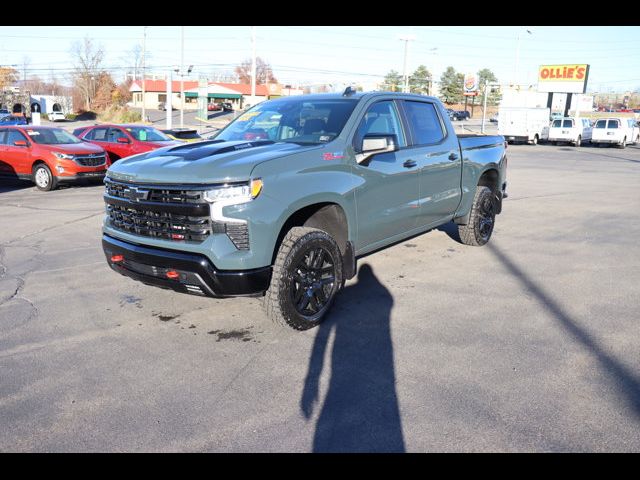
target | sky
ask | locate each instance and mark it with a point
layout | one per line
(359, 54)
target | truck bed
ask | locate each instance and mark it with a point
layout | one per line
(471, 141)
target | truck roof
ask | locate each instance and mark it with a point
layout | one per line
(356, 95)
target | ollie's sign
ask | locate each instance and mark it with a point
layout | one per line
(569, 78)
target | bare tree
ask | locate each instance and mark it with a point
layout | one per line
(26, 61)
(86, 58)
(132, 60)
(264, 73)
(8, 76)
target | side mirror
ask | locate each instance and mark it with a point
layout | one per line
(123, 140)
(374, 144)
(21, 143)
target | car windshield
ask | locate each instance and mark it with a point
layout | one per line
(51, 136)
(296, 120)
(147, 134)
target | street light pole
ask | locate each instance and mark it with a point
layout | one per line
(517, 64)
(253, 64)
(406, 39)
(144, 91)
(182, 79)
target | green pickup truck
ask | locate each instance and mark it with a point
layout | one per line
(284, 199)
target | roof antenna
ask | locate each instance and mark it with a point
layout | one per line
(348, 91)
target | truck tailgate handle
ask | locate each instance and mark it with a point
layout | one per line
(453, 156)
(409, 164)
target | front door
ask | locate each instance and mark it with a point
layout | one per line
(387, 199)
(439, 162)
(117, 143)
(17, 156)
(5, 168)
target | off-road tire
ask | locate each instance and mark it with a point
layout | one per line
(278, 301)
(41, 172)
(477, 232)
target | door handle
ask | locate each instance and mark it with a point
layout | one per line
(453, 157)
(409, 164)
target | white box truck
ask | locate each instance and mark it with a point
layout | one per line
(523, 124)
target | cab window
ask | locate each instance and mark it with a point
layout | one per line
(424, 120)
(381, 118)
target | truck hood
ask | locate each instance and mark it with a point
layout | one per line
(202, 162)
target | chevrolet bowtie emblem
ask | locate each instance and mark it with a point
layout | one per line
(135, 194)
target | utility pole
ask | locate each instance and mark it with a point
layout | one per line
(253, 64)
(182, 79)
(406, 39)
(168, 105)
(144, 90)
(484, 108)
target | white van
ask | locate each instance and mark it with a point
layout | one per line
(517, 124)
(572, 130)
(618, 131)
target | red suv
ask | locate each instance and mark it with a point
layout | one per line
(122, 141)
(47, 156)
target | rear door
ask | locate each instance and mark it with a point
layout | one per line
(587, 129)
(98, 135)
(5, 168)
(437, 153)
(387, 200)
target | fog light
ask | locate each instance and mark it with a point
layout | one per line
(172, 274)
(117, 258)
(59, 169)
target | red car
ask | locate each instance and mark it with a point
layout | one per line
(214, 107)
(122, 141)
(48, 156)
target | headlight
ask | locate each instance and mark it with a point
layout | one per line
(234, 194)
(63, 156)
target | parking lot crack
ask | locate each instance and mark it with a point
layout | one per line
(47, 229)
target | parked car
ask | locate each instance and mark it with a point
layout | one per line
(12, 120)
(227, 106)
(287, 217)
(615, 131)
(48, 156)
(214, 107)
(556, 116)
(163, 106)
(122, 141)
(57, 116)
(571, 130)
(461, 115)
(183, 134)
(494, 118)
(4, 112)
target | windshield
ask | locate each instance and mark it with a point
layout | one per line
(292, 120)
(51, 136)
(147, 134)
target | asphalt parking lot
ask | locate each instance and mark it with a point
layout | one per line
(530, 343)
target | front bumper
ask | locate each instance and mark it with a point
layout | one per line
(195, 273)
(81, 176)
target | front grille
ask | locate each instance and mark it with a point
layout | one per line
(165, 225)
(91, 161)
(169, 213)
(158, 194)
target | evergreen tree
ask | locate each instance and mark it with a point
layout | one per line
(451, 86)
(420, 81)
(486, 75)
(392, 82)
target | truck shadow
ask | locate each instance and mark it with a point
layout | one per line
(360, 411)
(626, 382)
